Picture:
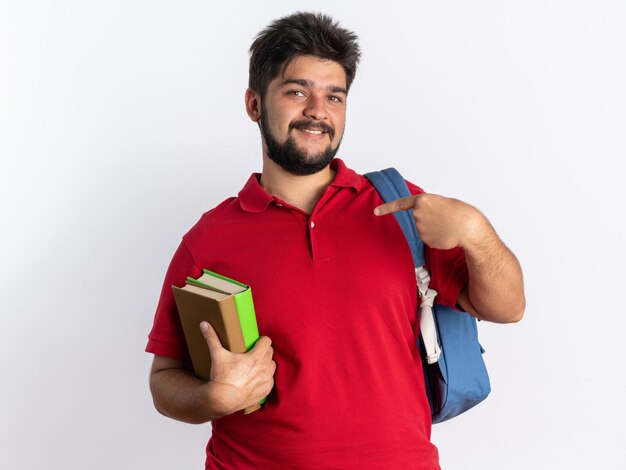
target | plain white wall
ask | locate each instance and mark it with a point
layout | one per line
(122, 121)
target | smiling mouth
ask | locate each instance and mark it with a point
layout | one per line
(313, 128)
(313, 131)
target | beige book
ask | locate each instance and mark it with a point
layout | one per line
(197, 304)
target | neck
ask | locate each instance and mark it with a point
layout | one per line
(302, 192)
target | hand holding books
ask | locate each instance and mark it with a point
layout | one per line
(241, 381)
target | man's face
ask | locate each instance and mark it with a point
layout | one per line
(303, 115)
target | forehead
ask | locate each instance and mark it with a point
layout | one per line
(321, 72)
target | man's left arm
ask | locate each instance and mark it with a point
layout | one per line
(495, 291)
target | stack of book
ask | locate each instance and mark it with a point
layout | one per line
(228, 306)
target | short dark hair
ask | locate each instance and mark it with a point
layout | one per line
(301, 33)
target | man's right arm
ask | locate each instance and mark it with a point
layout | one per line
(237, 381)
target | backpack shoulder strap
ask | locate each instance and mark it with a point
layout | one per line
(391, 186)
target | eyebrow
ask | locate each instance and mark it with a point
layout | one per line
(309, 84)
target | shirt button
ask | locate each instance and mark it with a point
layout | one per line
(312, 224)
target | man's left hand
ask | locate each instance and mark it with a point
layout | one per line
(495, 291)
(441, 222)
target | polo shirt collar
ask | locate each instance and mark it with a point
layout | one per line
(345, 177)
(253, 198)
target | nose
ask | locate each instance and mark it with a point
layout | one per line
(315, 108)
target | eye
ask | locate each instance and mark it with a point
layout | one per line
(296, 93)
(335, 99)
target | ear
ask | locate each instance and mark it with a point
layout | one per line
(253, 105)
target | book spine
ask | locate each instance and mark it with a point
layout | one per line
(247, 317)
(249, 328)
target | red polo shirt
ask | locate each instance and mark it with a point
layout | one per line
(335, 291)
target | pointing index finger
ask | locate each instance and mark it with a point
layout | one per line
(402, 204)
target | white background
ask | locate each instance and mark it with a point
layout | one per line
(122, 121)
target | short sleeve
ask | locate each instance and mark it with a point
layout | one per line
(448, 270)
(166, 337)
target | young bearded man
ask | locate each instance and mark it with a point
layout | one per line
(333, 281)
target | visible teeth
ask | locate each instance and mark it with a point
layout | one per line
(310, 131)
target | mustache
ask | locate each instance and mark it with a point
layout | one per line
(313, 125)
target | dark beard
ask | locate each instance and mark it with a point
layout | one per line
(289, 157)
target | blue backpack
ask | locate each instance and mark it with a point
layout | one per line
(454, 371)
